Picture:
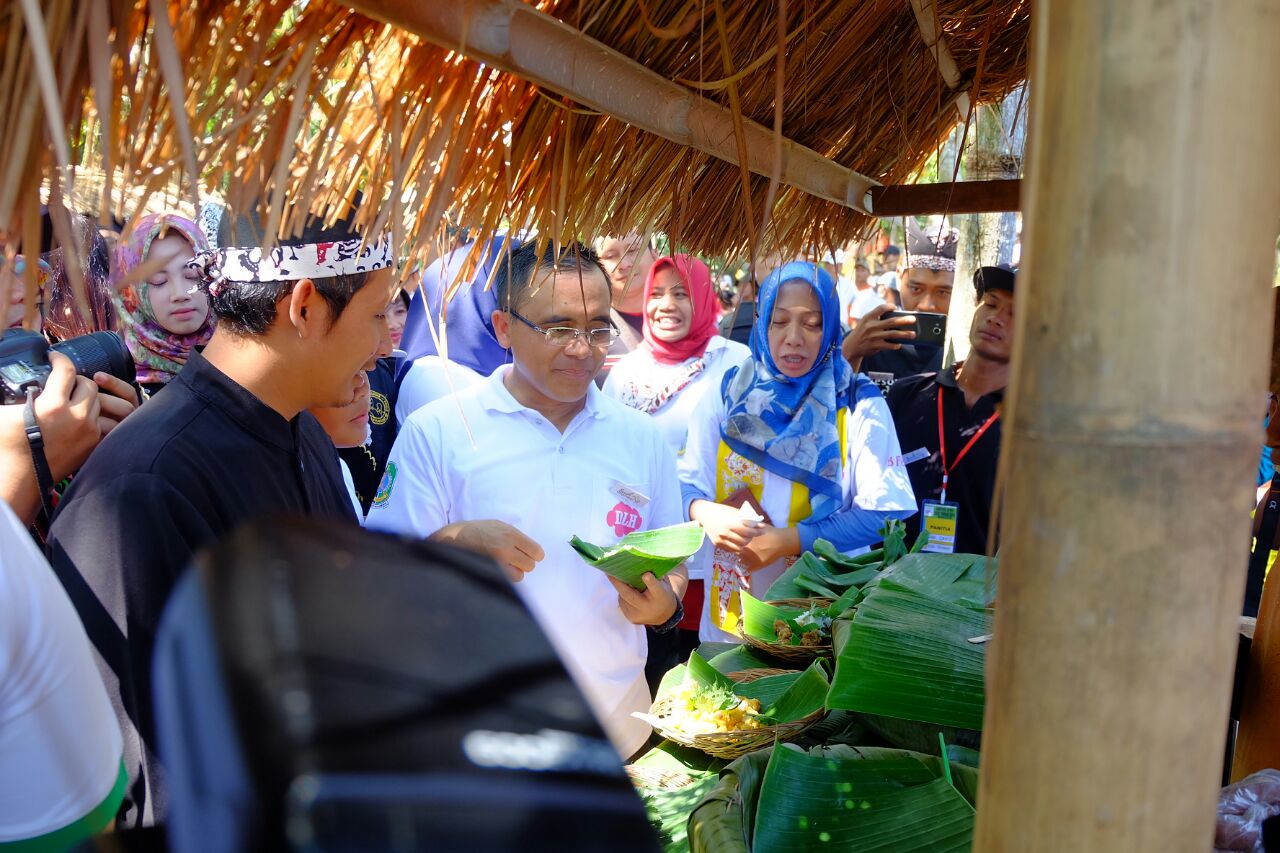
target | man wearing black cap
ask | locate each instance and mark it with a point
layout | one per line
(948, 424)
(882, 349)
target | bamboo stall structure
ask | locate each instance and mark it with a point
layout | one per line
(1132, 431)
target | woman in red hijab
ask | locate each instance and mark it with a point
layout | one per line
(683, 358)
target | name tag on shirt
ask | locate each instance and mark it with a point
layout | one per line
(940, 522)
(916, 455)
(627, 493)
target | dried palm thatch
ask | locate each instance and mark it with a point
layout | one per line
(285, 108)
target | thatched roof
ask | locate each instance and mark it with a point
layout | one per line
(326, 102)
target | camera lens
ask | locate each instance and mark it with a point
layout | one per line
(100, 351)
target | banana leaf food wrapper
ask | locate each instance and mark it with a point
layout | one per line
(658, 551)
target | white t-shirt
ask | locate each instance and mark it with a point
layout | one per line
(638, 368)
(864, 301)
(428, 379)
(551, 486)
(874, 478)
(60, 745)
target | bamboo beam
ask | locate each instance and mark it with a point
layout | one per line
(516, 37)
(927, 20)
(959, 197)
(1132, 435)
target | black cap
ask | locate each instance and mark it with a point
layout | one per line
(1000, 277)
(891, 250)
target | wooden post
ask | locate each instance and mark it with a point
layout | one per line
(1133, 427)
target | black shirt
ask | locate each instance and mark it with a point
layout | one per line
(737, 324)
(178, 474)
(368, 461)
(911, 360)
(972, 484)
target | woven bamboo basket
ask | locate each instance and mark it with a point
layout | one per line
(785, 651)
(661, 780)
(735, 744)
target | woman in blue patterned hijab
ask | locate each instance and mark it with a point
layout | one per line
(795, 448)
(782, 405)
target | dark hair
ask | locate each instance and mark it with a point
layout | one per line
(516, 268)
(63, 319)
(405, 299)
(249, 308)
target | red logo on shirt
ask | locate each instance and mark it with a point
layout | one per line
(623, 519)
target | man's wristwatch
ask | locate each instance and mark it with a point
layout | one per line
(670, 624)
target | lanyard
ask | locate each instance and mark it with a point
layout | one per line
(942, 444)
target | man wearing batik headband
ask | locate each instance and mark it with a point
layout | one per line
(880, 348)
(228, 440)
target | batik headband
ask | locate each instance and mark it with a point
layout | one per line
(292, 263)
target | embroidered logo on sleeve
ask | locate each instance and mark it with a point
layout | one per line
(379, 408)
(623, 519)
(384, 488)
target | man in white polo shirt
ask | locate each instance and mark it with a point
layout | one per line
(534, 455)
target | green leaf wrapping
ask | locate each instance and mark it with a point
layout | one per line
(658, 551)
(821, 800)
(788, 697)
(948, 577)
(906, 655)
(743, 657)
(783, 698)
(723, 821)
(813, 574)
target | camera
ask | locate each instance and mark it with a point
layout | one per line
(24, 360)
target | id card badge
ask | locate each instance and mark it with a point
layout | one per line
(940, 521)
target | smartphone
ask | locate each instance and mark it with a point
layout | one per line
(930, 328)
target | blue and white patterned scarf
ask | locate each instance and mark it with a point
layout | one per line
(785, 425)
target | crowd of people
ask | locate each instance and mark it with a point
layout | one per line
(558, 391)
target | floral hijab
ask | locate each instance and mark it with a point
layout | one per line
(158, 353)
(785, 425)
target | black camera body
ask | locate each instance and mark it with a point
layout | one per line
(24, 360)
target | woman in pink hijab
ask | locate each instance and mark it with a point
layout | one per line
(682, 359)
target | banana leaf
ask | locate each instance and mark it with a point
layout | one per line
(895, 541)
(963, 765)
(841, 799)
(920, 737)
(791, 696)
(743, 657)
(959, 578)
(758, 618)
(834, 578)
(723, 821)
(841, 561)
(906, 655)
(658, 551)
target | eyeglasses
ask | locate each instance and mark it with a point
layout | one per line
(562, 336)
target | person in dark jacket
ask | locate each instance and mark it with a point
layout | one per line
(227, 441)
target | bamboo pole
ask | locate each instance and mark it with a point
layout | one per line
(1133, 427)
(516, 37)
(926, 12)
